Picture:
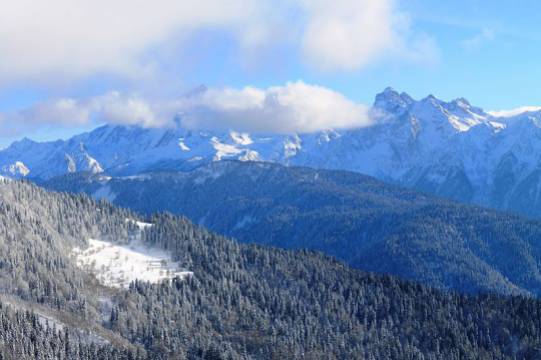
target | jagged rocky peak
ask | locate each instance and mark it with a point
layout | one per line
(462, 103)
(432, 101)
(17, 169)
(24, 143)
(392, 101)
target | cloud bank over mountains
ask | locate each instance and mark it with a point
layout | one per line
(294, 107)
(86, 41)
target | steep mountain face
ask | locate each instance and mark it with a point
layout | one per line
(242, 301)
(369, 224)
(451, 149)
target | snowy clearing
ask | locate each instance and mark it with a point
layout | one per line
(117, 265)
(140, 224)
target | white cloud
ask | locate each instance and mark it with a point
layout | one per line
(349, 34)
(113, 108)
(514, 112)
(66, 39)
(294, 107)
(84, 37)
(66, 112)
(132, 110)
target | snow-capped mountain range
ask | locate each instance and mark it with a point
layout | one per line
(452, 149)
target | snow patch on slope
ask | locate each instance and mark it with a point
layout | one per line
(17, 168)
(183, 145)
(241, 138)
(250, 155)
(292, 146)
(497, 125)
(117, 265)
(223, 150)
(465, 123)
(72, 167)
(93, 165)
(141, 177)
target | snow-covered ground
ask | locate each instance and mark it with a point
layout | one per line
(140, 224)
(118, 265)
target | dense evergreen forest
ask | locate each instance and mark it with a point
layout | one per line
(244, 301)
(369, 224)
(26, 336)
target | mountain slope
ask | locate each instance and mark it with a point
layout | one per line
(369, 224)
(29, 336)
(452, 149)
(250, 302)
(242, 302)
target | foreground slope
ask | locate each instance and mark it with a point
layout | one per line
(28, 336)
(369, 224)
(242, 302)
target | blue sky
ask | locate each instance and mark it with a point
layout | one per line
(485, 51)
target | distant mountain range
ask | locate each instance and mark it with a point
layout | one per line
(365, 222)
(451, 149)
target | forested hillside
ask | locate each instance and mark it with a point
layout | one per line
(367, 223)
(242, 302)
(27, 336)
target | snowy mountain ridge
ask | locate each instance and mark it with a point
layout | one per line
(452, 149)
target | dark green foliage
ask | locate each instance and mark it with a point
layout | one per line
(369, 224)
